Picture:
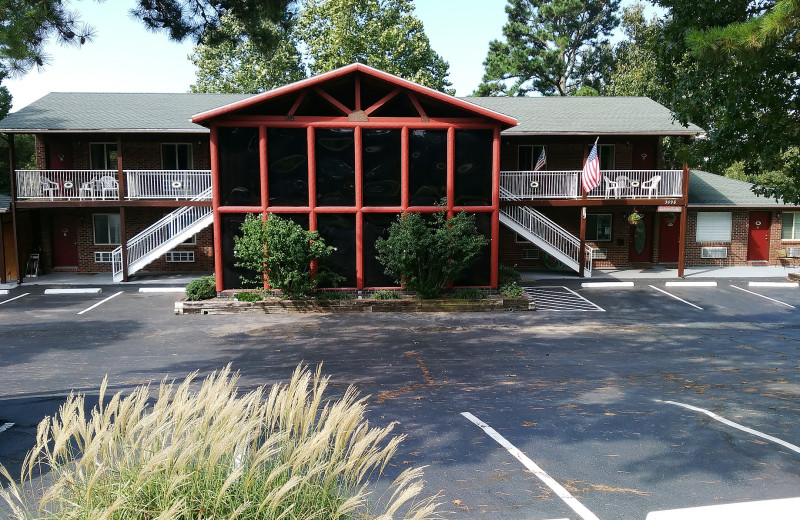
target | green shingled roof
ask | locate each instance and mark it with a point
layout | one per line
(586, 115)
(118, 112)
(709, 189)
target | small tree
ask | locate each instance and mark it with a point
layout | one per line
(426, 254)
(282, 252)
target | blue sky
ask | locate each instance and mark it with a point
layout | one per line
(125, 57)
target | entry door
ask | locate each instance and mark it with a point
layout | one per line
(669, 236)
(641, 243)
(644, 157)
(65, 241)
(758, 236)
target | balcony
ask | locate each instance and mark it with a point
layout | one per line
(615, 184)
(88, 185)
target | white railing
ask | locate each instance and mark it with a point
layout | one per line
(541, 184)
(546, 234)
(61, 185)
(67, 184)
(147, 245)
(621, 184)
(167, 184)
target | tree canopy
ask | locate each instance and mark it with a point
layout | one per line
(550, 46)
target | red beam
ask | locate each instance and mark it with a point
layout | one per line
(415, 102)
(333, 101)
(240, 209)
(382, 101)
(343, 122)
(296, 104)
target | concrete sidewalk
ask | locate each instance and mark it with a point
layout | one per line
(659, 272)
(102, 279)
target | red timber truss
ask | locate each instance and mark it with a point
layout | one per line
(361, 99)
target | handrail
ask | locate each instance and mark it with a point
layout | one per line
(565, 184)
(166, 228)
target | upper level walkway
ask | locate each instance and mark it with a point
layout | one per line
(615, 184)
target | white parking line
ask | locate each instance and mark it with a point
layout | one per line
(557, 488)
(765, 297)
(6, 426)
(85, 290)
(781, 509)
(162, 289)
(14, 298)
(599, 285)
(793, 285)
(735, 425)
(673, 296)
(3, 291)
(101, 302)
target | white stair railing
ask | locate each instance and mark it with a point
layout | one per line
(169, 231)
(546, 234)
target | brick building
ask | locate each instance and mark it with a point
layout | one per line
(124, 181)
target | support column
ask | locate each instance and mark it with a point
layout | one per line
(213, 151)
(495, 239)
(684, 219)
(2, 252)
(450, 190)
(123, 233)
(359, 175)
(582, 250)
(13, 173)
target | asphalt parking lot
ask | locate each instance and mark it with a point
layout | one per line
(607, 402)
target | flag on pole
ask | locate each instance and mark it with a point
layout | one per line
(591, 170)
(541, 162)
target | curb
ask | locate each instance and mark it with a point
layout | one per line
(691, 284)
(162, 289)
(598, 285)
(87, 290)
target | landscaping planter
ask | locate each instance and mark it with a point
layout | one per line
(277, 306)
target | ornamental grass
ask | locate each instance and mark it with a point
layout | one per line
(282, 453)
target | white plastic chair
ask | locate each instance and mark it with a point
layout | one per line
(108, 185)
(87, 188)
(651, 186)
(611, 186)
(49, 188)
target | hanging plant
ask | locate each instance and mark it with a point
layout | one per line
(634, 218)
(670, 218)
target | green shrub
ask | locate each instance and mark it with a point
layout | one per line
(426, 253)
(249, 296)
(507, 275)
(468, 294)
(202, 289)
(384, 294)
(213, 452)
(333, 296)
(511, 290)
(281, 252)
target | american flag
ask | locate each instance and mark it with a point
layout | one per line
(541, 162)
(591, 170)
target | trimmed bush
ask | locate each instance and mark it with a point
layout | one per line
(202, 289)
(385, 294)
(468, 294)
(249, 296)
(324, 296)
(511, 290)
(213, 452)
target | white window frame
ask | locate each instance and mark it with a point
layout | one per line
(714, 226)
(610, 227)
(179, 256)
(174, 146)
(104, 166)
(534, 156)
(192, 240)
(795, 228)
(103, 257)
(94, 229)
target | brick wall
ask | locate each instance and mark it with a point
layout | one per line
(567, 153)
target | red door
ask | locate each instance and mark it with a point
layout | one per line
(644, 157)
(758, 237)
(669, 236)
(641, 243)
(65, 241)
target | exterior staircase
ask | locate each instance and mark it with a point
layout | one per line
(546, 234)
(164, 235)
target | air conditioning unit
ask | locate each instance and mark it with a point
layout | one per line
(600, 253)
(793, 252)
(530, 254)
(714, 252)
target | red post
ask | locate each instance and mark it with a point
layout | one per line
(495, 240)
(684, 219)
(451, 170)
(262, 157)
(359, 173)
(215, 198)
(404, 169)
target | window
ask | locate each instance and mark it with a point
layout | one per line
(190, 241)
(179, 256)
(176, 156)
(106, 228)
(598, 227)
(527, 155)
(714, 226)
(102, 257)
(791, 226)
(606, 152)
(103, 156)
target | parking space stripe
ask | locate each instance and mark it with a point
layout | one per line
(557, 488)
(101, 302)
(690, 284)
(603, 285)
(6, 426)
(559, 298)
(780, 509)
(765, 297)
(14, 298)
(732, 424)
(673, 296)
(788, 285)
